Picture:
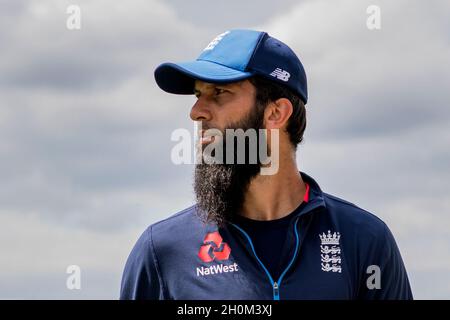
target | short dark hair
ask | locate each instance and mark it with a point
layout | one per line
(268, 91)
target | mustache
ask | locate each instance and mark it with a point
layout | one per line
(205, 127)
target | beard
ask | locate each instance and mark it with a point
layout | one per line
(220, 187)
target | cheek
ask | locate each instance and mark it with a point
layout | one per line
(240, 108)
(231, 110)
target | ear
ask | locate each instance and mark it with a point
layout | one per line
(277, 113)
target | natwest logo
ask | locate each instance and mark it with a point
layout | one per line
(214, 248)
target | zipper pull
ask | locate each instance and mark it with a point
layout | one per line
(276, 291)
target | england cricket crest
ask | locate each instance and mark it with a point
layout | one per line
(330, 252)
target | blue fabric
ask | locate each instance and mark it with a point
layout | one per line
(233, 49)
(326, 255)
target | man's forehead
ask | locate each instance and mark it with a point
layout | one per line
(202, 85)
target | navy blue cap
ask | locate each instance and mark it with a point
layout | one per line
(236, 55)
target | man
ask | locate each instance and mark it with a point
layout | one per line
(252, 235)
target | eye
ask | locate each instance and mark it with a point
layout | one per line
(219, 91)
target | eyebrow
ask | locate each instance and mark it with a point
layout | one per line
(215, 85)
(198, 91)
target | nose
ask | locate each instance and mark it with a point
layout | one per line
(200, 111)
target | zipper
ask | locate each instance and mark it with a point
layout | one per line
(276, 291)
(275, 284)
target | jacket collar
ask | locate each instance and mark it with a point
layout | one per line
(316, 198)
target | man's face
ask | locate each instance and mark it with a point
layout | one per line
(219, 105)
(220, 188)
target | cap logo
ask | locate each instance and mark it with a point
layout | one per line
(281, 74)
(215, 41)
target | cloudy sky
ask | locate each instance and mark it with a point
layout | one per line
(85, 132)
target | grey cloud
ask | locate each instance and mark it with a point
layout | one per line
(218, 16)
(82, 117)
(85, 132)
(115, 42)
(390, 80)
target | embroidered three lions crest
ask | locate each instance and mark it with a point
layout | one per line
(330, 252)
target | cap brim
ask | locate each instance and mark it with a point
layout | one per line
(179, 78)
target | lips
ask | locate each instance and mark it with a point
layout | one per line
(205, 139)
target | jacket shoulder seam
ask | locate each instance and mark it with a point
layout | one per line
(182, 212)
(334, 198)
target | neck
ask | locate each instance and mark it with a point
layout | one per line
(271, 197)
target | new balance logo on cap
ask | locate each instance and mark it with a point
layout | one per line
(215, 41)
(281, 74)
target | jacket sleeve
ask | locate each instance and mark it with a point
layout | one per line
(394, 284)
(140, 279)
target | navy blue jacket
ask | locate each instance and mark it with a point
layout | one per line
(334, 250)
